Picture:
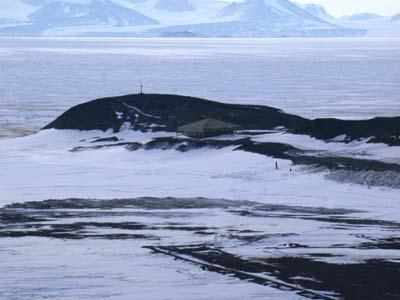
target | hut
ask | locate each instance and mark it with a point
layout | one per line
(207, 128)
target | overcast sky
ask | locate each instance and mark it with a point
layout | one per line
(339, 8)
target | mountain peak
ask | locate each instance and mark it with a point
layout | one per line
(317, 10)
(266, 10)
(87, 12)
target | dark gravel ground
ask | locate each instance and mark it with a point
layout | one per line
(81, 219)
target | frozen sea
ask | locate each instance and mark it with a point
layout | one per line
(346, 78)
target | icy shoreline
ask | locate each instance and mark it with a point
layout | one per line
(291, 251)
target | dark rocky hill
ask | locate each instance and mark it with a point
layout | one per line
(380, 130)
(167, 112)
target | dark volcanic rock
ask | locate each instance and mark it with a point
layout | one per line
(142, 202)
(309, 278)
(102, 140)
(380, 130)
(167, 112)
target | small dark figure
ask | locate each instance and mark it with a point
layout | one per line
(276, 165)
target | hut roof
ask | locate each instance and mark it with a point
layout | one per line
(208, 124)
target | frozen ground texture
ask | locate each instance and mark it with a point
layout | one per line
(41, 78)
(42, 166)
(106, 261)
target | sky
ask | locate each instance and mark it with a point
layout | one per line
(339, 8)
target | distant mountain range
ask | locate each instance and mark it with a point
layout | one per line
(262, 18)
(177, 18)
(363, 17)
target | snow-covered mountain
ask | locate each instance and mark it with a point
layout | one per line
(208, 18)
(175, 5)
(363, 16)
(52, 15)
(177, 12)
(262, 18)
(37, 2)
(375, 25)
(16, 10)
(317, 10)
(395, 18)
(99, 12)
(265, 10)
